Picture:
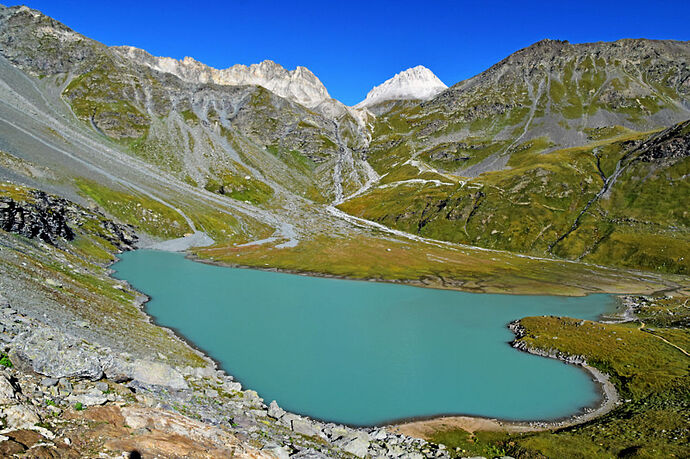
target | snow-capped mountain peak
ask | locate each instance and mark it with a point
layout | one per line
(415, 83)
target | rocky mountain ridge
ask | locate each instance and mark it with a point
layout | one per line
(299, 85)
(259, 149)
(560, 90)
(153, 114)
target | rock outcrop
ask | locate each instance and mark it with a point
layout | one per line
(45, 218)
(38, 215)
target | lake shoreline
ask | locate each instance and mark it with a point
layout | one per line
(662, 285)
(424, 427)
(409, 282)
(607, 401)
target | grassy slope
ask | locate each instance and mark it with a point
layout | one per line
(154, 218)
(391, 259)
(527, 207)
(138, 210)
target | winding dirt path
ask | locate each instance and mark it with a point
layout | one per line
(646, 330)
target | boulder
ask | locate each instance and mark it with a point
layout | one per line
(339, 432)
(88, 399)
(65, 386)
(157, 374)
(57, 355)
(117, 369)
(379, 434)
(49, 382)
(230, 386)
(307, 427)
(146, 372)
(275, 411)
(280, 452)
(8, 393)
(355, 443)
(102, 386)
(287, 419)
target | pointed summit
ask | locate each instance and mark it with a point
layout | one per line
(415, 83)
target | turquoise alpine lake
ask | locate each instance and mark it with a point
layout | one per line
(365, 353)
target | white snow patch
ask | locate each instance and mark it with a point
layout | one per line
(415, 83)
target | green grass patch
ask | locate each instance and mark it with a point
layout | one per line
(5, 361)
(138, 210)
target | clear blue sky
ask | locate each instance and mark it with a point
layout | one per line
(353, 45)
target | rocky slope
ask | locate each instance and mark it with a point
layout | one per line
(552, 90)
(205, 126)
(464, 165)
(83, 373)
(417, 83)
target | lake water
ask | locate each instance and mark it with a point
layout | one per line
(365, 353)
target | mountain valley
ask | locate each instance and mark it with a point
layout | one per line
(561, 170)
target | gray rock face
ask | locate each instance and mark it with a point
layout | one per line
(144, 372)
(117, 370)
(19, 416)
(101, 386)
(35, 220)
(89, 399)
(287, 419)
(7, 391)
(15, 414)
(299, 85)
(57, 355)
(279, 451)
